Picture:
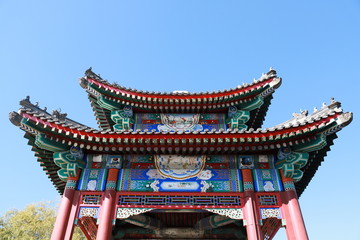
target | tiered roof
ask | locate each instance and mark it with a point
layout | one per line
(101, 92)
(51, 132)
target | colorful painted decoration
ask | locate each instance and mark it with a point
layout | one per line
(179, 167)
(315, 144)
(267, 180)
(252, 104)
(92, 179)
(167, 173)
(180, 173)
(179, 122)
(70, 162)
(237, 118)
(255, 161)
(245, 162)
(290, 163)
(114, 161)
(96, 160)
(122, 118)
(108, 103)
(45, 143)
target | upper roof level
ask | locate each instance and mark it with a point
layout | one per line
(254, 97)
(308, 136)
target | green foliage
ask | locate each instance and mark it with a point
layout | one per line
(35, 222)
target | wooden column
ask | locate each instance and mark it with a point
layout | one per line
(63, 227)
(250, 211)
(72, 216)
(295, 226)
(108, 207)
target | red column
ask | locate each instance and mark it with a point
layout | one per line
(295, 226)
(250, 211)
(108, 207)
(74, 207)
(62, 219)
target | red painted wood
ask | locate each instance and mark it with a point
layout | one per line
(251, 216)
(107, 209)
(62, 219)
(177, 136)
(106, 216)
(88, 227)
(295, 225)
(73, 211)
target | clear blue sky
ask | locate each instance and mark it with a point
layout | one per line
(45, 46)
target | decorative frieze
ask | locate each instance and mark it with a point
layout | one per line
(71, 184)
(267, 180)
(180, 200)
(289, 185)
(114, 161)
(248, 186)
(233, 213)
(267, 200)
(169, 173)
(89, 212)
(123, 213)
(110, 185)
(93, 179)
(270, 213)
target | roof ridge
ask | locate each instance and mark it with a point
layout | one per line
(89, 74)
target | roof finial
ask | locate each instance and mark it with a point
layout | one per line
(90, 74)
(88, 71)
(303, 113)
(271, 72)
(57, 114)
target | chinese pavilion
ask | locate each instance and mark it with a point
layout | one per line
(180, 165)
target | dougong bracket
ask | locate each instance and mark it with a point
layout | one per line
(70, 162)
(122, 118)
(290, 163)
(237, 118)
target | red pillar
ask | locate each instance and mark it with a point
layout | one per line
(108, 207)
(250, 211)
(295, 225)
(62, 224)
(74, 207)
